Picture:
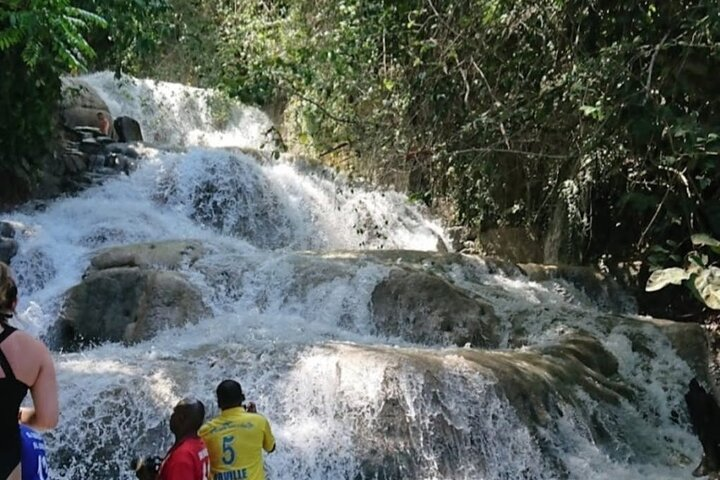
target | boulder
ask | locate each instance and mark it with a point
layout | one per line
(86, 117)
(7, 230)
(170, 254)
(127, 130)
(81, 106)
(8, 249)
(127, 304)
(78, 93)
(130, 293)
(421, 307)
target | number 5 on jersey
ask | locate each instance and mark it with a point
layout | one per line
(228, 457)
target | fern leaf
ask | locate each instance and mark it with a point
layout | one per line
(9, 37)
(88, 17)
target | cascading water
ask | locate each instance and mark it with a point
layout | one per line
(292, 266)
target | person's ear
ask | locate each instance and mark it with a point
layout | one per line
(14, 304)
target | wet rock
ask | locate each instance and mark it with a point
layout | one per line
(602, 289)
(130, 293)
(86, 152)
(526, 392)
(87, 131)
(90, 146)
(81, 106)
(75, 162)
(7, 230)
(690, 341)
(127, 129)
(8, 249)
(8, 244)
(424, 308)
(170, 254)
(127, 304)
(123, 149)
(243, 204)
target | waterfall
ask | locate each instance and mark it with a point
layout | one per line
(294, 257)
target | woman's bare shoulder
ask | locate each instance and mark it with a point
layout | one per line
(27, 341)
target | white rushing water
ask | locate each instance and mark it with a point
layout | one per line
(296, 329)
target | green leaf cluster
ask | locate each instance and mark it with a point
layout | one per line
(136, 30)
(699, 275)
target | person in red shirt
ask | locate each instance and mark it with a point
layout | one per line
(188, 458)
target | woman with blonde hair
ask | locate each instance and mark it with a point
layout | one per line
(25, 364)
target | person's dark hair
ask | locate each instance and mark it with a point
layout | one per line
(194, 411)
(229, 394)
(187, 417)
(8, 292)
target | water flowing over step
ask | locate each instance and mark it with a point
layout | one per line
(373, 354)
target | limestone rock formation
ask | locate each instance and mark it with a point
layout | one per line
(81, 106)
(424, 308)
(169, 254)
(600, 288)
(129, 294)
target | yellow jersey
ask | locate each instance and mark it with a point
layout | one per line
(235, 440)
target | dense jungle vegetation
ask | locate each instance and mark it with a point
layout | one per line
(592, 124)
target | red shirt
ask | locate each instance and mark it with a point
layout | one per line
(187, 460)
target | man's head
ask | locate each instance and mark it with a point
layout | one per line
(187, 417)
(229, 394)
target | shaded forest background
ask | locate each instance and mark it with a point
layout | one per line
(591, 125)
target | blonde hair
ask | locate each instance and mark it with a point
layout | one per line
(8, 291)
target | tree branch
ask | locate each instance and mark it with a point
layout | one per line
(513, 152)
(652, 65)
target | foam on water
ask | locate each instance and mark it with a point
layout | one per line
(296, 328)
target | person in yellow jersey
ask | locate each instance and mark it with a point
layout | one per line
(236, 438)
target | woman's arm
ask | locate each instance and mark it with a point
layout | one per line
(44, 393)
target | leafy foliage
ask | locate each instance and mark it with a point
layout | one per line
(135, 30)
(39, 41)
(595, 117)
(48, 30)
(700, 275)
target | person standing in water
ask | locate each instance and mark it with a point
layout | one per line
(25, 364)
(236, 437)
(103, 124)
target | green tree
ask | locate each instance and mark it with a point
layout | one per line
(39, 41)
